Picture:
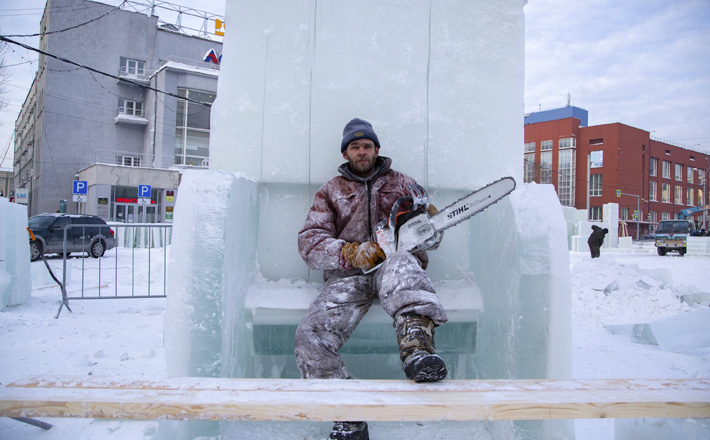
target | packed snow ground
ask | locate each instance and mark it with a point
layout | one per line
(124, 337)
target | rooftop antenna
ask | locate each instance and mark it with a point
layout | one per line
(569, 99)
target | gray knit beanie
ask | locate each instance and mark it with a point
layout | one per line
(358, 129)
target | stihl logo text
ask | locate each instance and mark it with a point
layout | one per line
(457, 211)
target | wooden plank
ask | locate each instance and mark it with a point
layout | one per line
(327, 400)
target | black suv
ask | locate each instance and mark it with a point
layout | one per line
(87, 233)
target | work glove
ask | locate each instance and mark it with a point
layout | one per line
(364, 256)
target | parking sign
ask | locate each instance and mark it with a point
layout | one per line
(143, 191)
(79, 187)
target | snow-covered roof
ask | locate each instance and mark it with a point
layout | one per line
(173, 65)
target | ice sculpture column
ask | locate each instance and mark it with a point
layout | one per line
(442, 83)
(14, 255)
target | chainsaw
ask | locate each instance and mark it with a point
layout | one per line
(412, 227)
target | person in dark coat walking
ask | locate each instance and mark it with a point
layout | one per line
(596, 240)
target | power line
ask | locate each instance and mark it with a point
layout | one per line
(69, 28)
(99, 106)
(18, 64)
(7, 148)
(39, 11)
(91, 69)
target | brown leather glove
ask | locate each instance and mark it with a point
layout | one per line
(364, 256)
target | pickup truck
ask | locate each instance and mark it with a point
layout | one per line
(672, 236)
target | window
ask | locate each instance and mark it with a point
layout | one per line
(566, 177)
(624, 213)
(129, 161)
(701, 198)
(666, 193)
(595, 185)
(678, 171)
(595, 213)
(596, 141)
(596, 159)
(132, 68)
(653, 191)
(701, 177)
(530, 168)
(691, 172)
(665, 216)
(678, 195)
(546, 167)
(652, 216)
(529, 147)
(546, 145)
(568, 143)
(192, 128)
(689, 196)
(653, 167)
(131, 108)
(666, 169)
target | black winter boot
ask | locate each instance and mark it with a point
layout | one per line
(349, 431)
(415, 335)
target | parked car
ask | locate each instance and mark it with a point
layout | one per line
(647, 237)
(88, 233)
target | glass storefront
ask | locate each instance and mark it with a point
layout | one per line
(125, 206)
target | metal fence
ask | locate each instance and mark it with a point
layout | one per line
(136, 267)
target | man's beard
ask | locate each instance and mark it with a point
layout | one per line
(362, 167)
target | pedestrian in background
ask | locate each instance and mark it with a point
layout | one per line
(596, 240)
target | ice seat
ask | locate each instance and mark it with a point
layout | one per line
(277, 308)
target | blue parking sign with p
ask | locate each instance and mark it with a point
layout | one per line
(144, 191)
(79, 187)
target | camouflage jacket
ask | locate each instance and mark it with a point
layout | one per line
(346, 209)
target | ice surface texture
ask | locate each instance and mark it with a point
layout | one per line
(441, 82)
(14, 254)
(685, 332)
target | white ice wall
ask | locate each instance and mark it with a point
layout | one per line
(14, 254)
(441, 82)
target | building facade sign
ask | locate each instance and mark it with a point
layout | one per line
(211, 55)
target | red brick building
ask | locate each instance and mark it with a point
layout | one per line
(625, 166)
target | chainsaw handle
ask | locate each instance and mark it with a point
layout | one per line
(420, 199)
(395, 209)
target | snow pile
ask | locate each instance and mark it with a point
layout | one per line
(607, 292)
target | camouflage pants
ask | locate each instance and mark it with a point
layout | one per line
(401, 286)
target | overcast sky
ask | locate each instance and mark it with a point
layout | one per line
(644, 63)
